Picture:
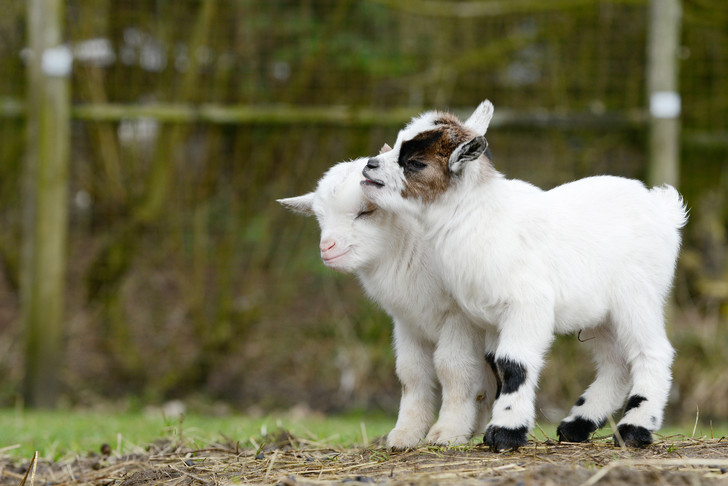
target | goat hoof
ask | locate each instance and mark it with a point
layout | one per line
(441, 435)
(500, 439)
(577, 430)
(633, 436)
(400, 439)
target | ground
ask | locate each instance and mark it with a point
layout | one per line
(289, 460)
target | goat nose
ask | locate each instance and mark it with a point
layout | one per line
(373, 163)
(326, 245)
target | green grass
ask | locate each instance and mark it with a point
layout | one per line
(59, 434)
(67, 433)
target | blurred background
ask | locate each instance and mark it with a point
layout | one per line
(182, 278)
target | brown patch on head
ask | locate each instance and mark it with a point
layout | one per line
(424, 158)
(447, 119)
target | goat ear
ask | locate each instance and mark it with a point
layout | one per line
(480, 119)
(465, 152)
(300, 204)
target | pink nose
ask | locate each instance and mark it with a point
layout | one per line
(326, 245)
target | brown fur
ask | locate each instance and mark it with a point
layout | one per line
(433, 148)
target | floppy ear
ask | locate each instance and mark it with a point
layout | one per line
(300, 204)
(465, 152)
(480, 119)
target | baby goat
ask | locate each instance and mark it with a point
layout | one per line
(432, 340)
(598, 254)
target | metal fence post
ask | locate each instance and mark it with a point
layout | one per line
(663, 96)
(45, 197)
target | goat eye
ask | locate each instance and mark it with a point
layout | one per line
(416, 164)
(364, 214)
(365, 211)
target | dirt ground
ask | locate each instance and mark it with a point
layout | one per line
(288, 461)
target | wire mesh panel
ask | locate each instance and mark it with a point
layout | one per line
(192, 117)
(564, 55)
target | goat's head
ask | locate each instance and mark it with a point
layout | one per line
(429, 154)
(351, 233)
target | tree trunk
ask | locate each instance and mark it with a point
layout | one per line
(45, 196)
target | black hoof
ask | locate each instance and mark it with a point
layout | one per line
(577, 430)
(501, 439)
(633, 436)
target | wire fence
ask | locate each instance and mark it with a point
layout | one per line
(191, 117)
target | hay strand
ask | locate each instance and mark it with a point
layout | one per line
(32, 467)
(295, 460)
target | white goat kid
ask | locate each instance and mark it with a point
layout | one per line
(598, 254)
(431, 339)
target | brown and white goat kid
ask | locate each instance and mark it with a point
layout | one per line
(433, 341)
(596, 254)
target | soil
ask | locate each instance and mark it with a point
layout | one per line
(292, 461)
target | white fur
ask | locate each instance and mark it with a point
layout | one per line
(598, 253)
(433, 341)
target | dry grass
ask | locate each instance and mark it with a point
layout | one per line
(291, 460)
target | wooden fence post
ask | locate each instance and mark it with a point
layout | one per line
(45, 198)
(663, 96)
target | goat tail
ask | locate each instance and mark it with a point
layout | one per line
(672, 203)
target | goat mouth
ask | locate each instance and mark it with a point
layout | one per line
(332, 259)
(370, 181)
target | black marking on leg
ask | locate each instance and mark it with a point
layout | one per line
(512, 373)
(490, 359)
(500, 439)
(581, 401)
(578, 430)
(634, 402)
(633, 436)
